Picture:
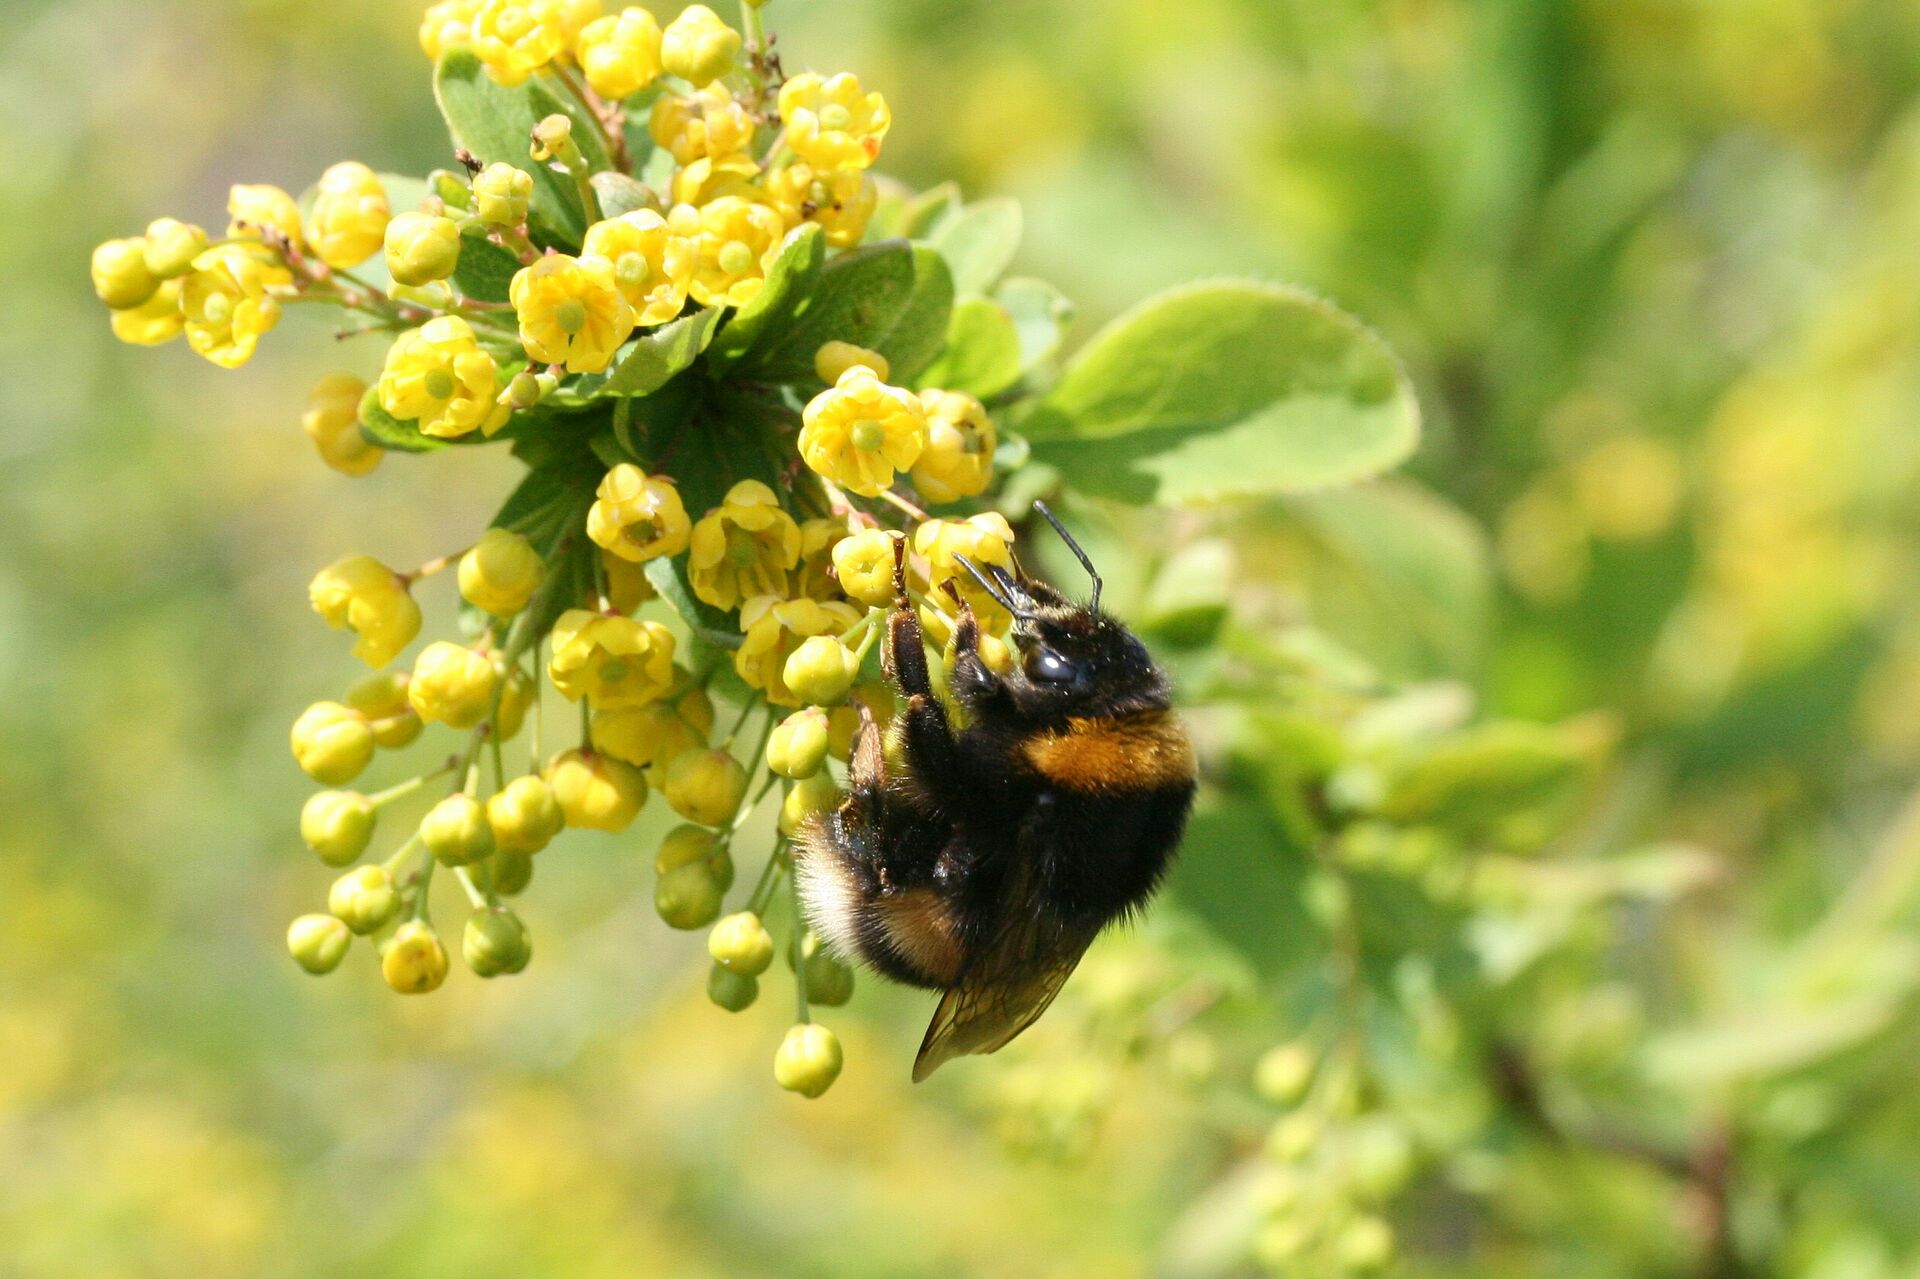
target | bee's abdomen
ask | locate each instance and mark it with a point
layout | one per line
(868, 893)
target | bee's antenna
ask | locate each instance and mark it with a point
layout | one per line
(993, 587)
(1073, 546)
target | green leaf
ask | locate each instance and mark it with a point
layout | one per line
(891, 297)
(496, 123)
(650, 363)
(485, 270)
(978, 242)
(982, 355)
(549, 499)
(1240, 877)
(788, 281)
(1768, 1042)
(1485, 776)
(1041, 315)
(619, 193)
(925, 210)
(1221, 390)
(390, 432)
(669, 577)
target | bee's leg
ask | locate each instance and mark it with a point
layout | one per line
(972, 684)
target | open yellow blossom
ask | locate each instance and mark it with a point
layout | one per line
(698, 47)
(840, 200)
(453, 685)
(706, 180)
(735, 240)
(863, 563)
(572, 311)
(744, 547)
(648, 736)
(774, 628)
(620, 53)
(253, 209)
(610, 661)
(227, 304)
(831, 123)
(985, 539)
(350, 212)
(815, 577)
(515, 38)
(154, 321)
(438, 375)
(447, 25)
(362, 593)
(332, 422)
(859, 431)
(707, 124)
(651, 265)
(638, 516)
(958, 459)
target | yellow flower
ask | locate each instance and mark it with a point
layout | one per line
(382, 698)
(255, 209)
(859, 431)
(743, 547)
(331, 743)
(524, 815)
(821, 670)
(572, 311)
(226, 303)
(774, 628)
(808, 1060)
(797, 746)
(452, 685)
(638, 517)
(172, 245)
(863, 562)
(985, 539)
(734, 241)
(500, 194)
(698, 47)
(704, 125)
(437, 374)
(835, 358)
(332, 422)
(705, 786)
(350, 213)
(499, 574)
(362, 593)
(651, 265)
(447, 25)
(620, 53)
(611, 661)
(648, 736)
(627, 584)
(595, 791)
(958, 459)
(840, 200)
(706, 180)
(121, 277)
(831, 123)
(815, 579)
(421, 248)
(414, 962)
(154, 321)
(515, 38)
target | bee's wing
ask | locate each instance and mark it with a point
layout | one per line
(1002, 992)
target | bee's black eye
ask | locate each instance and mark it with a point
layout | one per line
(1049, 667)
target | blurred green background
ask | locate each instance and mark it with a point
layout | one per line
(1655, 268)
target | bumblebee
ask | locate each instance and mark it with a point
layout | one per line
(982, 861)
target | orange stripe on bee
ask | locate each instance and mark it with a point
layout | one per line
(923, 929)
(1135, 753)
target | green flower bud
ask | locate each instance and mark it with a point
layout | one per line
(829, 982)
(553, 137)
(798, 746)
(421, 249)
(456, 830)
(495, 942)
(705, 786)
(808, 1060)
(414, 962)
(740, 943)
(1283, 1072)
(363, 899)
(337, 825)
(500, 194)
(683, 846)
(318, 942)
(525, 816)
(382, 698)
(821, 670)
(523, 392)
(172, 245)
(732, 991)
(512, 872)
(332, 743)
(450, 187)
(807, 796)
(120, 273)
(688, 896)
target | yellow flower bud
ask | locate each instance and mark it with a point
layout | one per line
(1365, 1243)
(500, 194)
(172, 245)
(708, 125)
(362, 593)
(620, 53)
(382, 698)
(422, 248)
(414, 962)
(649, 736)
(816, 794)
(595, 791)
(1283, 1072)
(318, 942)
(688, 896)
(651, 266)
(864, 565)
(332, 743)
(808, 1060)
(958, 459)
(627, 584)
(730, 990)
(438, 375)
(456, 830)
(841, 201)
(337, 825)
(228, 301)
(512, 872)
(350, 213)
(255, 211)
(495, 942)
(821, 670)
(572, 312)
(798, 745)
(611, 661)
(364, 898)
(834, 358)
(774, 629)
(832, 123)
(638, 517)
(447, 25)
(516, 696)
(452, 685)
(515, 38)
(153, 322)
(695, 707)
(742, 548)
(698, 47)
(859, 431)
(121, 276)
(332, 422)
(500, 573)
(740, 943)
(734, 241)
(683, 846)
(525, 816)
(705, 786)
